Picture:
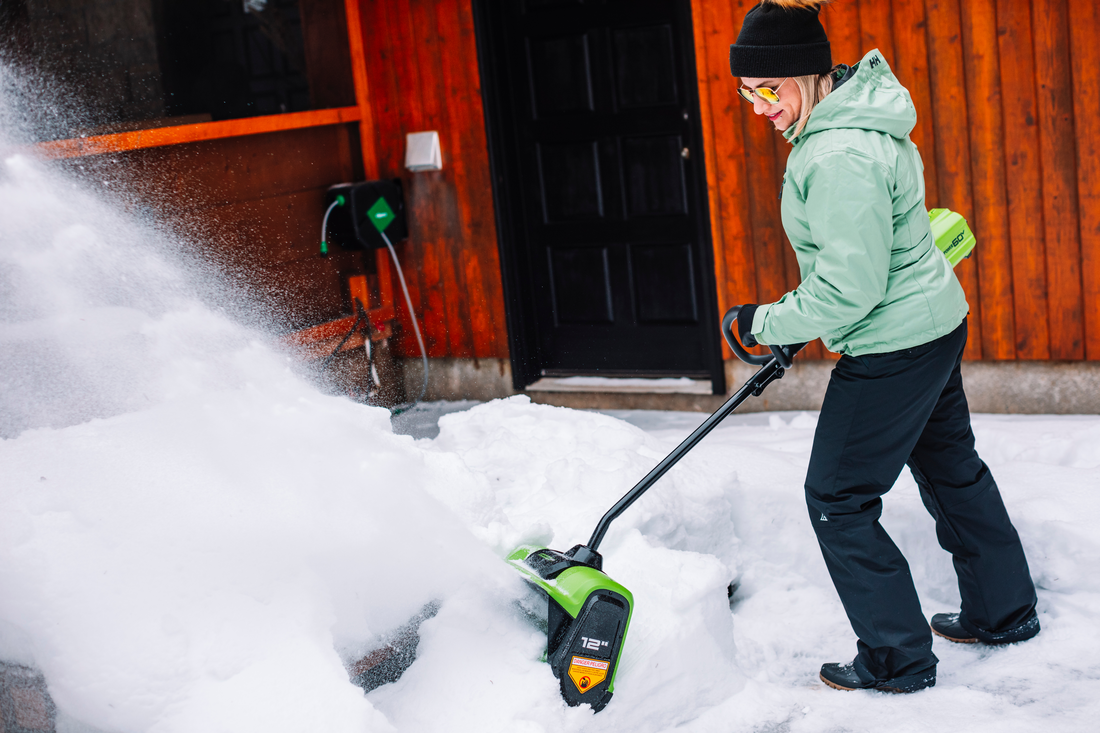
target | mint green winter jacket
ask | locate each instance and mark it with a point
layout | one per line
(853, 207)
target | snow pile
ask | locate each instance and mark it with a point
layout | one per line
(198, 565)
(193, 538)
(549, 474)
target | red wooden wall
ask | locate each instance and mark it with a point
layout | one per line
(1009, 127)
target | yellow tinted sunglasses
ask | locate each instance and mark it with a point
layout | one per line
(771, 96)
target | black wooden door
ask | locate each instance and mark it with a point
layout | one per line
(600, 187)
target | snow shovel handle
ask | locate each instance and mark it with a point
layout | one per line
(771, 369)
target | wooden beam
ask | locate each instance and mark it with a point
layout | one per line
(362, 87)
(319, 341)
(323, 348)
(162, 136)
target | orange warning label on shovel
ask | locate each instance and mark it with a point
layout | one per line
(587, 673)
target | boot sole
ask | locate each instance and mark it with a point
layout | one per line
(835, 686)
(952, 638)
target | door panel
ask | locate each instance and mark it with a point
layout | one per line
(664, 283)
(582, 285)
(570, 181)
(605, 236)
(654, 173)
(645, 66)
(559, 75)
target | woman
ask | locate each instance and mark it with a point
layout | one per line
(877, 290)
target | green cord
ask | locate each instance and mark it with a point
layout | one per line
(338, 201)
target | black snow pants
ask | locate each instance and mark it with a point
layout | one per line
(880, 413)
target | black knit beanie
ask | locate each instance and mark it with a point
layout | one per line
(781, 39)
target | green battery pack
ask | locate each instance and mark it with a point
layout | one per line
(952, 235)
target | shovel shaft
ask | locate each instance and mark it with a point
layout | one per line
(768, 373)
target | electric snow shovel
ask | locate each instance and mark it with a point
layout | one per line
(589, 613)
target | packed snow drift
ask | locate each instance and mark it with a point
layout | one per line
(194, 539)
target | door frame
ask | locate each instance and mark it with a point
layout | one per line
(519, 304)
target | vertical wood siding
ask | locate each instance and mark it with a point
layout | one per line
(1084, 23)
(1008, 123)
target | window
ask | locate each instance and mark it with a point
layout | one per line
(119, 65)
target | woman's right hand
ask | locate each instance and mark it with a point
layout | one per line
(744, 325)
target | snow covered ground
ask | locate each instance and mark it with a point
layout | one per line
(733, 510)
(193, 539)
(211, 566)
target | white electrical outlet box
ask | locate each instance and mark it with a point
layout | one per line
(422, 151)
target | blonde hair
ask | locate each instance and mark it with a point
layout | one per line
(814, 88)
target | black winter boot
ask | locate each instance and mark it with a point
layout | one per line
(844, 677)
(953, 627)
(947, 625)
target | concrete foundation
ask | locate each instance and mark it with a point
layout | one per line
(459, 379)
(1033, 387)
(1017, 387)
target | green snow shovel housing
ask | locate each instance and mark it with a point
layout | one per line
(588, 613)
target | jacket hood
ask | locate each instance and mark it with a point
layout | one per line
(872, 99)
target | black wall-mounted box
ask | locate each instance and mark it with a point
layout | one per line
(350, 225)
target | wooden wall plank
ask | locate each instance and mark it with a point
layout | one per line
(979, 25)
(841, 21)
(450, 324)
(951, 123)
(453, 66)
(876, 28)
(1084, 23)
(1058, 158)
(480, 257)
(1023, 179)
(911, 67)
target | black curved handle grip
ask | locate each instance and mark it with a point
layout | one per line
(735, 345)
(782, 354)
